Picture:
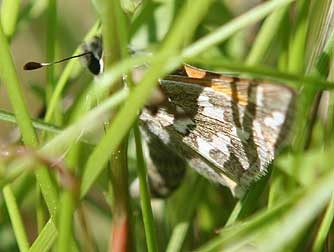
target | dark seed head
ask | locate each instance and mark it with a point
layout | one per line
(32, 66)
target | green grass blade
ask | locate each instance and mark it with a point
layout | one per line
(299, 40)
(9, 16)
(150, 231)
(37, 124)
(244, 206)
(66, 222)
(267, 34)
(45, 239)
(51, 42)
(16, 219)
(186, 213)
(12, 84)
(244, 20)
(325, 227)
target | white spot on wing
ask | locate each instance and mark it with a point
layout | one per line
(214, 113)
(182, 125)
(264, 150)
(160, 132)
(204, 146)
(221, 143)
(209, 109)
(203, 100)
(259, 96)
(274, 121)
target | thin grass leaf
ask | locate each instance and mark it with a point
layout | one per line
(324, 228)
(186, 213)
(321, 27)
(267, 34)
(12, 84)
(9, 16)
(65, 228)
(16, 219)
(45, 239)
(307, 96)
(246, 205)
(51, 42)
(244, 20)
(37, 124)
(150, 230)
(299, 40)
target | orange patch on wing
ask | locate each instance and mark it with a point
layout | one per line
(238, 98)
(198, 73)
(216, 86)
(194, 73)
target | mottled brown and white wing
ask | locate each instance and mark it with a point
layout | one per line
(232, 129)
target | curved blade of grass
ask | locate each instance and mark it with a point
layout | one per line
(299, 39)
(244, 206)
(186, 213)
(65, 222)
(9, 16)
(244, 20)
(269, 30)
(145, 201)
(13, 87)
(16, 219)
(50, 50)
(37, 124)
(321, 26)
(32, 10)
(325, 227)
(306, 98)
(45, 239)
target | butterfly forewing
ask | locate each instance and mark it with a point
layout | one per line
(232, 127)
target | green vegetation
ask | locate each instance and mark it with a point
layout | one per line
(68, 188)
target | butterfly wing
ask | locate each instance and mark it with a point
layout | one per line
(232, 129)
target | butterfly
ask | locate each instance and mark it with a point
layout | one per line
(229, 129)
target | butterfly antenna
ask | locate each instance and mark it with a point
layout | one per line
(35, 65)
